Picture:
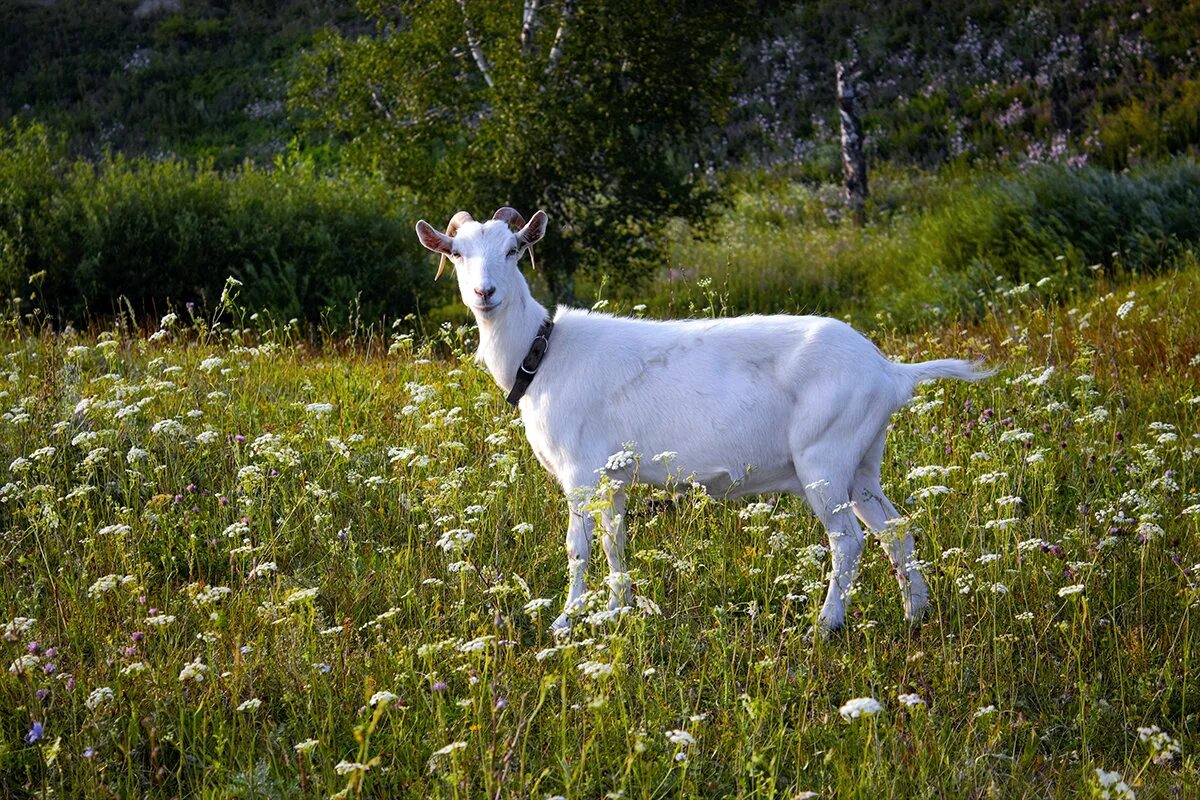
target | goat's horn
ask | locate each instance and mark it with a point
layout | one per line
(514, 218)
(456, 222)
(510, 215)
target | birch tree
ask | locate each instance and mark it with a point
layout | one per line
(596, 112)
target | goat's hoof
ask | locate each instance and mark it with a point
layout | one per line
(828, 628)
(915, 612)
(561, 626)
(617, 602)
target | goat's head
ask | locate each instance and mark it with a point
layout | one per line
(485, 255)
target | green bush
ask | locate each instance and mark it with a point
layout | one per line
(167, 232)
(782, 246)
(1018, 226)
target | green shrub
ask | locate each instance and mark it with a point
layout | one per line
(781, 246)
(166, 232)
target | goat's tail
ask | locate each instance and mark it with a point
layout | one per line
(923, 371)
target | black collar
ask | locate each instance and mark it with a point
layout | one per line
(531, 362)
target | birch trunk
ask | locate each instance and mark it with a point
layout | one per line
(854, 164)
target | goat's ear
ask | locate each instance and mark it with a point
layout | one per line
(534, 230)
(433, 239)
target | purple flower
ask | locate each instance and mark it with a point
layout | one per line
(191, 487)
(239, 438)
(34, 648)
(42, 694)
(35, 733)
(89, 752)
(439, 686)
(137, 636)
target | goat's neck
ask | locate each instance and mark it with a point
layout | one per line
(504, 338)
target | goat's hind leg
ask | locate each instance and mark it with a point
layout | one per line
(612, 538)
(877, 513)
(828, 493)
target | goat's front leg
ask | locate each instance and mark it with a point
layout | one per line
(579, 550)
(612, 520)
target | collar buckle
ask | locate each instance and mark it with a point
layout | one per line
(528, 367)
(537, 350)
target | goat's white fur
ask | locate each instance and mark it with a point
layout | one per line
(753, 404)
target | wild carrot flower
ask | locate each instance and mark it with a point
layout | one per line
(680, 737)
(98, 697)
(383, 698)
(860, 707)
(1112, 787)
(193, 671)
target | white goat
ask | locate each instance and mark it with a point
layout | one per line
(746, 405)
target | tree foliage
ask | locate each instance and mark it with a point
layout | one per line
(596, 113)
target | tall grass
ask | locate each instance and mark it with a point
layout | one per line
(939, 243)
(234, 566)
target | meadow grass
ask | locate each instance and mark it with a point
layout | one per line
(937, 242)
(235, 565)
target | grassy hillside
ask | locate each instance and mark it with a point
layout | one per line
(232, 566)
(195, 78)
(1038, 81)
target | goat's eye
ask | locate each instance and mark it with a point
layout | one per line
(512, 252)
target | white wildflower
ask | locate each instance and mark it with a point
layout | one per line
(594, 669)
(17, 627)
(24, 665)
(1163, 746)
(384, 698)
(619, 460)
(194, 671)
(860, 707)
(1112, 786)
(264, 569)
(346, 767)
(680, 737)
